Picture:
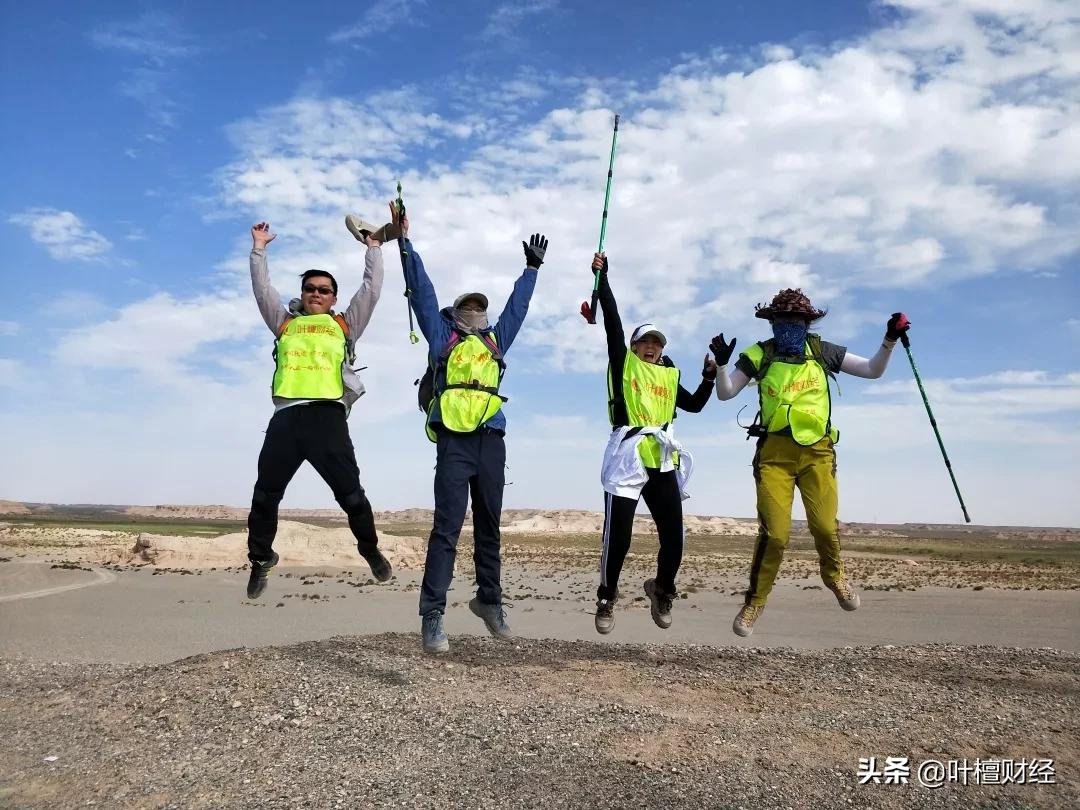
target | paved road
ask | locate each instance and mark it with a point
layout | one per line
(135, 616)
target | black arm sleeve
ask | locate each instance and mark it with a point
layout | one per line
(693, 403)
(616, 337)
(616, 342)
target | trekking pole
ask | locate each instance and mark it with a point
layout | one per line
(413, 337)
(603, 222)
(933, 423)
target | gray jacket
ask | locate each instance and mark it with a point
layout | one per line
(356, 315)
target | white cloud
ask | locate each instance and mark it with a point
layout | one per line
(12, 373)
(381, 16)
(9, 328)
(836, 170)
(159, 41)
(63, 234)
(1003, 399)
(506, 20)
(154, 36)
(160, 335)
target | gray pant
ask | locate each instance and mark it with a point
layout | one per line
(467, 464)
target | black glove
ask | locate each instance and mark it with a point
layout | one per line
(721, 350)
(897, 326)
(535, 250)
(708, 371)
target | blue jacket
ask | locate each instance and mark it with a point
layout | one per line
(437, 325)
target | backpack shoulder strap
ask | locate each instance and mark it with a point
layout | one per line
(344, 326)
(284, 325)
(488, 339)
(814, 340)
(768, 352)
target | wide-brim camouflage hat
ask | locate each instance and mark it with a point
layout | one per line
(789, 302)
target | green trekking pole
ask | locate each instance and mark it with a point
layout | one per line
(413, 337)
(933, 422)
(603, 224)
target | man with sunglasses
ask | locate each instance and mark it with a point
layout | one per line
(313, 388)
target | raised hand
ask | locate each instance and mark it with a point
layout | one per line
(599, 263)
(261, 236)
(721, 349)
(399, 220)
(708, 371)
(535, 250)
(897, 326)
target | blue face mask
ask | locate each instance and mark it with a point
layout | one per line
(790, 337)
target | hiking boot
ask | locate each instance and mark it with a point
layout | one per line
(494, 617)
(744, 622)
(431, 629)
(361, 229)
(257, 579)
(845, 594)
(605, 616)
(660, 603)
(380, 566)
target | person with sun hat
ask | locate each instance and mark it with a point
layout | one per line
(796, 437)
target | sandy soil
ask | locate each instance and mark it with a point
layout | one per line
(535, 723)
(958, 653)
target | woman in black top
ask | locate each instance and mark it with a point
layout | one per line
(660, 489)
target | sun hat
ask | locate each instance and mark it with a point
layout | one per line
(789, 302)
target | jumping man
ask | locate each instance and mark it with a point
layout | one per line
(313, 389)
(466, 422)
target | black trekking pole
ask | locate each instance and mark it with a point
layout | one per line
(933, 423)
(413, 338)
(603, 223)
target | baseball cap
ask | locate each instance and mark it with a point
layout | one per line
(461, 299)
(648, 329)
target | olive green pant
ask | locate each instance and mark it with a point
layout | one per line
(780, 465)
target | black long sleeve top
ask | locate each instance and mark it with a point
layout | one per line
(617, 349)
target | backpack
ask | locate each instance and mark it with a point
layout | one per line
(425, 384)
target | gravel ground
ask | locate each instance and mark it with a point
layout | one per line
(533, 724)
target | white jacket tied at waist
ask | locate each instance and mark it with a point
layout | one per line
(623, 472)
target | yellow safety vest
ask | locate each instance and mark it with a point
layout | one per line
(470, 394)
(649, 391)
(794, 396)
(309, 353)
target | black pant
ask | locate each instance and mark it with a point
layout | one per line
(315, 432)
(466, 464)
(662, 496)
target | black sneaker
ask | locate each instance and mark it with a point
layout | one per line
(259, 572)
(605, 616)
(660, 603)
(380, 566)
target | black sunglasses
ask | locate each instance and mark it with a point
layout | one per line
(311, 288)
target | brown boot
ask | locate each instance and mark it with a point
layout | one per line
(744, 622)
(845, 594)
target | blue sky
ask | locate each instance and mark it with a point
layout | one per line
(913, 155)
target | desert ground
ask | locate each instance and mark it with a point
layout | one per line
(135, 673)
